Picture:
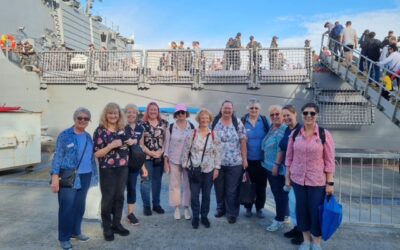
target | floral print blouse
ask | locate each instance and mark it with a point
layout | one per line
(154, 136)
(231, 154)
(212, 156)
(117, 157)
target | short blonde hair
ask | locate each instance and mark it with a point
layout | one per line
(204, 111)
(131, 106)
(275, 107)
(108, 108)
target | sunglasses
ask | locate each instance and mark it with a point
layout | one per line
(86, 119)
(312, 113)
(180, 112)
(256, 108)
(274, 114)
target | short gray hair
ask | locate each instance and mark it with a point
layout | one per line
(82, 110)
(252, 102)
(131, 106)
(275, 107)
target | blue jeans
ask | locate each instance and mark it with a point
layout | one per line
(204, 186)
(154, 181)
(227, 189)
(280, 196)
(376, 70)
(307, 211)
(131, 186)
(72, 204)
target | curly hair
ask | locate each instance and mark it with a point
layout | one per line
(110, 107)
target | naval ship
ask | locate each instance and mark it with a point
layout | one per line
(69, 74)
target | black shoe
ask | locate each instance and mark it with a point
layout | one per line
(147, 211)
(205, 222)
(248, 213)
(297, 240)
(294, 233)
(108, 235)
(195, 223)
(232, 220)
(158, 209)
(132, 219)
(219, 214)
(121, 230)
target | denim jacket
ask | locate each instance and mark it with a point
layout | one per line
(67, 156)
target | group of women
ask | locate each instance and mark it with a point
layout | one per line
(277, 150)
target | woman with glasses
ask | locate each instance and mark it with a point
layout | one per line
(174, 140)
(112, 153)
(310, 161)
(257, 127)
(289, 115)
(154, 136)
(233, 160)
(134, 131)
(74, 150)
(275, 169)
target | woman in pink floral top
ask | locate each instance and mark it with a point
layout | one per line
(310, 162)
(112, 152)
(202, 150)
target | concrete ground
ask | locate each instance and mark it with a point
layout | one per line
(28, 220)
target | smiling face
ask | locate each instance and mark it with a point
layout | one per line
(309, 116)
(254, 110)
(180, 115)
(153, 112)
(112, 116)
(81, 121)
(276, 117)
(289, 118)
(227, 110)
(131, 115)
(204, 120)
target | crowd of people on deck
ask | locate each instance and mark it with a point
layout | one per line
(379, 60)
(274, 149)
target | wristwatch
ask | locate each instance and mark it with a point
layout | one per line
(330, 183)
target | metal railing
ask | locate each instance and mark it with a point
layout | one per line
(342, 108)
(283, 65)
(195, 67)
(366, 81)
(368, 186)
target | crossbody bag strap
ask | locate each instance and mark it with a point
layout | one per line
(83, 153)
(204, 149)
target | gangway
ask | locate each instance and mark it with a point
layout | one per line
(361, 81)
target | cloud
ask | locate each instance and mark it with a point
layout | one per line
(378, 21)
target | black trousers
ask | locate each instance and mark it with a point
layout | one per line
(112, 186)
(258, 175)
(203, 187)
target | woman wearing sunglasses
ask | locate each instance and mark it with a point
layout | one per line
(310, 161)
(275, 170)
(74, 150)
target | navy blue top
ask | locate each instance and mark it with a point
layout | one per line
(255, 136)
(86, 163)
(283, 144)
(136, 133)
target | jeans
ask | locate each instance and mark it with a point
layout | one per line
(258, 175)
(131, 186)
(227, 189)
(112, 187)
(152, 183)
(204, 186)
(362, 61)
(72, 204)
(280, 196)
(376, 70)
(307, 211)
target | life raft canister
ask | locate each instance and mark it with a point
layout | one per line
(5, 39)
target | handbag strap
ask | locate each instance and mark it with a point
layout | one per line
(83, 153)
(204, 149)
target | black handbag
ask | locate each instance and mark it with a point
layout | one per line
(136, 157)
(67, 176)
(247, 193)
(195, 172)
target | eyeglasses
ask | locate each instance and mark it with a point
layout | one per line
(274, 114)
(256, 108)
(80, 118)
(312, 113)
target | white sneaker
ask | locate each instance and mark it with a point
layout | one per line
(287, 220)
(187, 213)
(275, 226)
(177, 214)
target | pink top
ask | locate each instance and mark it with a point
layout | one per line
(174, 142)
(309, 160)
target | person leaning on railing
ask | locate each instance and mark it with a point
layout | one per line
(310, 162)
(392, 62)
(74, 150)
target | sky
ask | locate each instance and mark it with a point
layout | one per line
(155, 23)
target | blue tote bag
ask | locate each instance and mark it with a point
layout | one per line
(331, 216)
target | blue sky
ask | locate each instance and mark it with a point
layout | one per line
(155, 23)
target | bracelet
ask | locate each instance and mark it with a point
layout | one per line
(330, 183)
